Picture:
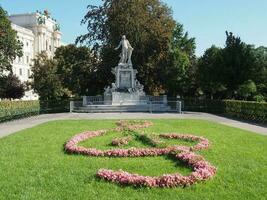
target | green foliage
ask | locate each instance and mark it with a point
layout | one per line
(10, 110)
(203, 105)
(244, 110)
(252, 111)
(247, 89)
(209, 72)
(77, 69)
(260, 70)
(72, 72)
(237, 71)
(10, 47)
(238, 59)
(46, 82)
(179, 73)
(11, 87)
(147, 24)
(55, 106)
(259, 98)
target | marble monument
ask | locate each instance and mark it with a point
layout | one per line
(126, 88)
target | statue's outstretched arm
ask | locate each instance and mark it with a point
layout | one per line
(118, 46)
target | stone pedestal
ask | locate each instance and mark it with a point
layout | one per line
(122, 98)
(126, 90)
(125, 76)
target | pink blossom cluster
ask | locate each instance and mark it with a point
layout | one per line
(83, 136)
(72, 147)
(203, 142)
(202, 171)
(121, 141)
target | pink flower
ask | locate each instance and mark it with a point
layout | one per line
(202, 170)
(121, 141)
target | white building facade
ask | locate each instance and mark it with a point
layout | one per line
(38, 32)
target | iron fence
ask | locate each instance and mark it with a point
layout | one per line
(126, 106)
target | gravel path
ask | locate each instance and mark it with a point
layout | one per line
(8, 128)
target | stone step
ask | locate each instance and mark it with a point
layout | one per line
(122, 108)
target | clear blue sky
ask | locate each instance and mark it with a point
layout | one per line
(206, 20)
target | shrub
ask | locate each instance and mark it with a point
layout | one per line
(17, 109)
(11, 87)
(55, 106)
(203, 105)
(247, 110)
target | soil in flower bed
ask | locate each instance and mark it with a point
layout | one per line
(33, 164)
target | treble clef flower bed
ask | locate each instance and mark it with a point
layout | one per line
(202, 170)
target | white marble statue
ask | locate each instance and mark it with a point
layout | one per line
(113, 87)
(126, 52)
(107, 90)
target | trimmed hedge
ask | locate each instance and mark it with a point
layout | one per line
(200, 105)
(10, 110)
(244, 110)
(59, 106)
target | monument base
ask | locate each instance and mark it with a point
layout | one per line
(125, 102)
(119, 98)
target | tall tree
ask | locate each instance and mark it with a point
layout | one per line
(77, 68)
(46, 82)
(231, 72)
(238, 61)
(210, 67)
(10, 47)
(11, 87)
(260, 71)
(179, 74)
(147, 24)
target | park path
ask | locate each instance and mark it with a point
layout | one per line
(8, 128)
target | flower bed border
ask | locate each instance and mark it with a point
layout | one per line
(202, 170)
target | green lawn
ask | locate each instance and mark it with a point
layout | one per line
(33, 164)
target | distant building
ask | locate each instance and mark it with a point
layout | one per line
(38, 32)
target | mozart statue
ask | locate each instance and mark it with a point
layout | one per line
(126, 52)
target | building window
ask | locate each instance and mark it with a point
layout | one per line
(20, 72)
(27, 44)
(29, 73)
(27, 58)
(46, 46)
(50, 48)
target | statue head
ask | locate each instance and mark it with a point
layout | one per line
(123, 37)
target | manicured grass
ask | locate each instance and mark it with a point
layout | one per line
(33, 164)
